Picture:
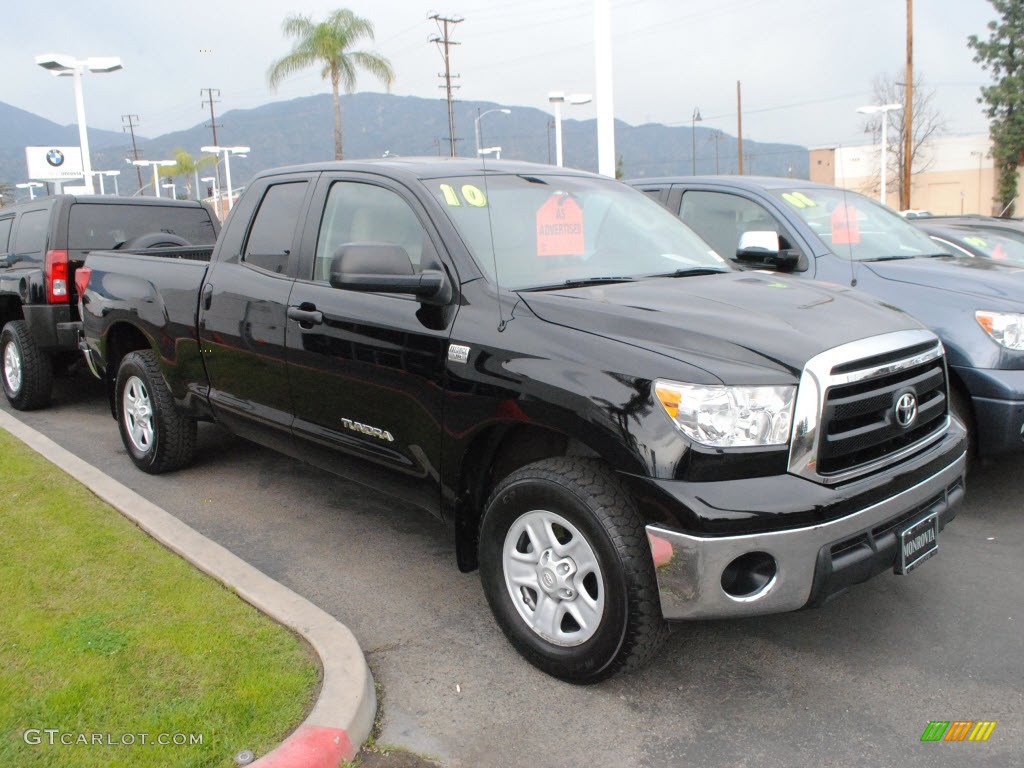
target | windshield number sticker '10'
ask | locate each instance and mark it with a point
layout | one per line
(473, 196)
(799, 200)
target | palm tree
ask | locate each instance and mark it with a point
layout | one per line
(329, 43)
(187, 167)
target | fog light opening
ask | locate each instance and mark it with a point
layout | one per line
(749, 576)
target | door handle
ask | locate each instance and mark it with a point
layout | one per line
(207, 295)
(306, 314)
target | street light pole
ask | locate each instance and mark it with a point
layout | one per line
(228, 151)
(155, 164)
(31, 185)
(693, 139)
(558, 98)
(885, 109)
(479, 117)
(62, 65)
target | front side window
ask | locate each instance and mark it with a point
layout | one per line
(528, 231)
(5, 232)
(722, 219)
(855, 227)
(273, 230)
(356, 212)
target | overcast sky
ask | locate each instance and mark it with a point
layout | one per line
(805, 65)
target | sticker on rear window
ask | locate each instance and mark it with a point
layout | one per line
(845, 229)
(559, 227)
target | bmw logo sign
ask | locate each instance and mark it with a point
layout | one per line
(55, 158)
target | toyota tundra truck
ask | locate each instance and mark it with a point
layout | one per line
(619, 428)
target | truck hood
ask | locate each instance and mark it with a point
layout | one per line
(741, 327)
(985, 278)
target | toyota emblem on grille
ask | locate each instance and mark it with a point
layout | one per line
(906, 409)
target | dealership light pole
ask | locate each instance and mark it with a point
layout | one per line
(693, 139)
(62, 65)
(885, 109)
(156, 164)
(558, 98)
(31, 185)
(100, 174)
(476, 123)
(228, 151)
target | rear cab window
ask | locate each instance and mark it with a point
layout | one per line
(94, 227)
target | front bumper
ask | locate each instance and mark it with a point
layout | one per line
(812, 563)
(998, 400)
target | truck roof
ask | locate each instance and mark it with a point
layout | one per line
(737, 182)
(427, 167)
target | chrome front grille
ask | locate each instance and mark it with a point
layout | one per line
(846, 420)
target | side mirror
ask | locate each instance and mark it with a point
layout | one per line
(763, 248)
(386, 268)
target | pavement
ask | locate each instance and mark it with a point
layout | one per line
(343, 716)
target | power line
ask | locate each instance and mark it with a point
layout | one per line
(213, 121)
(444, 26)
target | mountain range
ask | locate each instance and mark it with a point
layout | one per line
(301, 130)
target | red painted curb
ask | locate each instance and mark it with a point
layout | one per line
(310, 746)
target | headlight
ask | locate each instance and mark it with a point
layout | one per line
(1007, 328)
(723, 416)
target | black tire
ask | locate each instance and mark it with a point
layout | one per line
(27, 370)
(589, 498)
(158, 437)
(155, 240)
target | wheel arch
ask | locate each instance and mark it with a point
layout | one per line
(120, 339)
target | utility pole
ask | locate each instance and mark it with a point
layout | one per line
(444, 26)
(908, 111)
(213, 122)
(133, 120)
(739, 127)
(716, 136)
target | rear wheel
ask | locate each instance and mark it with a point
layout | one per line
(158, 436)
(567, 570)
(27, 370)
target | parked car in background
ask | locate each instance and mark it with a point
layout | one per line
(976, 306)
(42, 244)
(915, 213)
(986, 237)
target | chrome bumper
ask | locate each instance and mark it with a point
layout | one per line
(690, 568)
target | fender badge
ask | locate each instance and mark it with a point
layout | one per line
(458, 353)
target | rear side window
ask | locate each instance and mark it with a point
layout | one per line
(101, 227)
(273, 230)
(5, 232)
(31, 235)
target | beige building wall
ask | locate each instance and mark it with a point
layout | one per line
(959, 178)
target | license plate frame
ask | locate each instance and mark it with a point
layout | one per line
(918, 543)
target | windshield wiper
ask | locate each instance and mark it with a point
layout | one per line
(692, 271)
(890, 258)
(582, 283)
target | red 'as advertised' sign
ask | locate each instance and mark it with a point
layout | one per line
(559, 227)
(845, 229)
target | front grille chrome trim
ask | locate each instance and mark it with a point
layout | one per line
(816, 380)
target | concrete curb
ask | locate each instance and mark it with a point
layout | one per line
(342, 718)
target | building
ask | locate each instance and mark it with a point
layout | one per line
(958, 175)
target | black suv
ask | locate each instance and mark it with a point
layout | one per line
(42, 244)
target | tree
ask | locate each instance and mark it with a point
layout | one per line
(1003, 55)
(187, 167)
(330, 43)
(6, 194)
(928, 122)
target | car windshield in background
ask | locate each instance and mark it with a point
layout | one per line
(547, 231)
(101, 227)
(856, 227)
(1002, 246)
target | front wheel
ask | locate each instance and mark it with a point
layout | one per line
(158, 436)
(27, 370)
(567, 570)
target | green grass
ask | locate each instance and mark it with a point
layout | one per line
(106, 635)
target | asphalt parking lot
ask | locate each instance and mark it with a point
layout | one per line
(853, 683)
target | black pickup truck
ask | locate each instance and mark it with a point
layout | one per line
(618, 427)
(42, 244)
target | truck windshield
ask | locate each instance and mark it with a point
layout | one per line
(546, 231)
(856, 227)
